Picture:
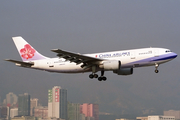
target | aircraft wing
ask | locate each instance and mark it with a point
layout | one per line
(20, 63)
(76, 57)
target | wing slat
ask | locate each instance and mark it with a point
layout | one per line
(75, 57)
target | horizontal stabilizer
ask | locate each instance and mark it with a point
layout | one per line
(20, 63)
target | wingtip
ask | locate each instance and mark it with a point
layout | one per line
(16, 37)
(6, 59)
(54, 50)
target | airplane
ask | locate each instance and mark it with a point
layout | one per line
(120, 62)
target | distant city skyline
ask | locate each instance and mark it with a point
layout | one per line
(88, 110)
(58, 107)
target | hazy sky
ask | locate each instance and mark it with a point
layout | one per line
(88, 27)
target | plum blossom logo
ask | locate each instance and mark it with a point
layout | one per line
(27, 52)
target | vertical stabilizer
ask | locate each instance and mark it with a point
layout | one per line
(26, 51)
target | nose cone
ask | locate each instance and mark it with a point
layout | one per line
(174, 55)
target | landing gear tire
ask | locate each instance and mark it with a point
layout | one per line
(91, 76)
(95, 75)
(156, 71)
(102, 78)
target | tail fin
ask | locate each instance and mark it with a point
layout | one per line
(26, 51)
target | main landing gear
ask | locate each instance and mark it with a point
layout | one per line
(101, 78)
(156, 66)
(93, 75)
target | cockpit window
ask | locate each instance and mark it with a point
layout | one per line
(168, 51)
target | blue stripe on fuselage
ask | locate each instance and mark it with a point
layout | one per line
(158, 58)
(166, 58)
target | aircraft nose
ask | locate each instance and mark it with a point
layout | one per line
(174, 55)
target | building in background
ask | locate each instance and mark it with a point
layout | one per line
(161, 117)
(34, 103)
(0, 101)
(57, 103)
(24, 105)
(172, 113)
(124, 119)
(13, 112)
(24, 118)
(90, 110)
(41, 112)
(11, 99)
(50, 102)
(82, 117)
(156, 117)
(3, 112)
(141, 118)
(8, 113)
(73, 111)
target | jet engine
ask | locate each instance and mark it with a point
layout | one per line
(124, 71)
(111, 65)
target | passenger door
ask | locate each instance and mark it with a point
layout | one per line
(156, 53)
(133, 55)
(50, 63)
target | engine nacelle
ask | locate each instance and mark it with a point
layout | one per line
(124, 71)
(111, 65)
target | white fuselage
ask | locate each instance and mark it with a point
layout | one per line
(129, 59)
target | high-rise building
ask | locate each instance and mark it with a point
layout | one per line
(34, 103)
(8, 113)
(24, 104)
(90, 110)
(11, 99)
(73, 111)
(57, 102)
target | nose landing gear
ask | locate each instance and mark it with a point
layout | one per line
(156, 66)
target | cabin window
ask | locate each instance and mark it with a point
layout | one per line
(168, 51)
